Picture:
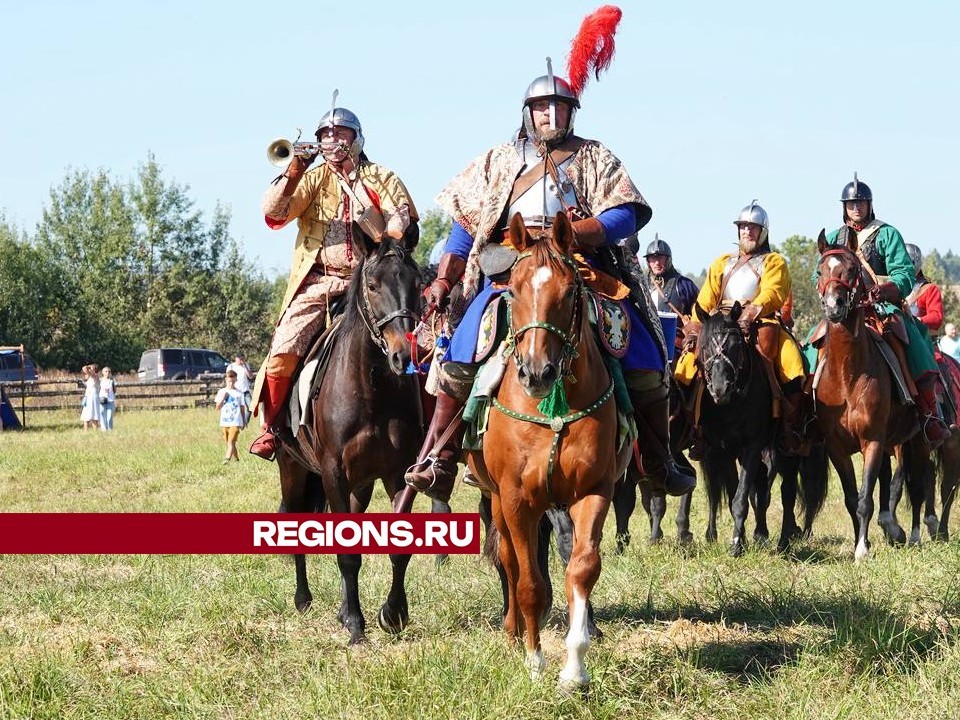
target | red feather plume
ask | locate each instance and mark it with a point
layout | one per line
(592, 48)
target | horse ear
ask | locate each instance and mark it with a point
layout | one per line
(822, 241)
(850, 239)
(518, 233)
(736, 310)
(563, 233)
(369, 246)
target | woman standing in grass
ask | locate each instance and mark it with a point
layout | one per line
(108, 398)
(90, 408)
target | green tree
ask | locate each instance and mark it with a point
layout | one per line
(801, 255)
(435, 227)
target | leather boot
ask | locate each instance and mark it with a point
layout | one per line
(435, 471)
(275, 391)
(792, 440)
(935, 431)
(652, 411)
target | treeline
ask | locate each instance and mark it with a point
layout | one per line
(114, 268)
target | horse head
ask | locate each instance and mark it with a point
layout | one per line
(546, 309)
(839, 278)
(723, 354)
(386, 293)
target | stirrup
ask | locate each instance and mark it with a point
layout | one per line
(469, 479)
(414, 473)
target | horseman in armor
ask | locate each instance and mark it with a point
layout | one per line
(325, 201)
(546, 170)
(670, 291)
(759, 280)
(890, 275)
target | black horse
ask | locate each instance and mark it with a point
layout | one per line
(737, 421)
(364, 422)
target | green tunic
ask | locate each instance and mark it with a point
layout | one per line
(889, 245)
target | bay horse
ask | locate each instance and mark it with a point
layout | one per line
(737, 419)
(855, 408)
(364, 422)
(530, 462)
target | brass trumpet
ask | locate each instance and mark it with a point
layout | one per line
(281, 151)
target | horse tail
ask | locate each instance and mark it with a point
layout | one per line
(491, 544)
(813, 480)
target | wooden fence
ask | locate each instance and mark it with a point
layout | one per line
(67, 394)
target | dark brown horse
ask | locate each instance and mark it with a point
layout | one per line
(530, 462)
(364, 423)
(855, 407)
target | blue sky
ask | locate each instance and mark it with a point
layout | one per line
(709, 105)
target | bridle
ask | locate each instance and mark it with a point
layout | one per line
(375, 326)
(715, 350)
(854, 289)
(570, 338)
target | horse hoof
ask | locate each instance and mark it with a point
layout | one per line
(862, 552)
(737, 549)
(302, 603)
(654, 539)
(933, 525)
(685, 538)
(357, 637)
(573, 687)
(392, 622)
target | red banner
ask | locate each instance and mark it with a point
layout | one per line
(238, 533)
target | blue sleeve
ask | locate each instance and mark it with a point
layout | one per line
(688, 292)
(459, 242)
(619, 222)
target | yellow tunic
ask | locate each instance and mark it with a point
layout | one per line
(775, 284)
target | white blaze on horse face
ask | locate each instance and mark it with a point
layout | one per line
(574, 672)
(540, 278)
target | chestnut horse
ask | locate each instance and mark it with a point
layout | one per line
(365, 423)
(530, 462)
(855, 407)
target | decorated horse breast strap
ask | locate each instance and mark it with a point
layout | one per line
(612, 324)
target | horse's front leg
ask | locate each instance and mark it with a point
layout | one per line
(588, 515)
(949, 456)
(714, 466)
(522, 522)
(394, 614)
(843, 464)
(873, 455)
(760, 500)
(751, 464)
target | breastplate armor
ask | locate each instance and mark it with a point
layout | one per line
(868, 248)
(542, 199)
(743, 284)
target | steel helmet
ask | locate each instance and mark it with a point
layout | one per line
(856, 190)
(549, 87)
(658, 247)
(916, 256)
(756, 215)
(341, 117)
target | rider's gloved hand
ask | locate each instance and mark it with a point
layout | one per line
(691, 332)
(448, 274)
(885, 292)
(748, 316)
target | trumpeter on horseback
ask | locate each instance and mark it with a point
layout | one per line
(325, 201)
(546, 170)
(759, 280)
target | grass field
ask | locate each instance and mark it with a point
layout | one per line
(689, 632)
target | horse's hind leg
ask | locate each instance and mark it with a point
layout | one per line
(588, 515)
(788, 468)
(919, 480)
(684, 536)
(300, 492)
(491, 548)
(891, 488)
(624, 503)
(655, 504)
(949, 466)
(439, 506)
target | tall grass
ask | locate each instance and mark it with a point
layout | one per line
(689, 632)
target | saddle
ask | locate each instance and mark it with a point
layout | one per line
(310, 375)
